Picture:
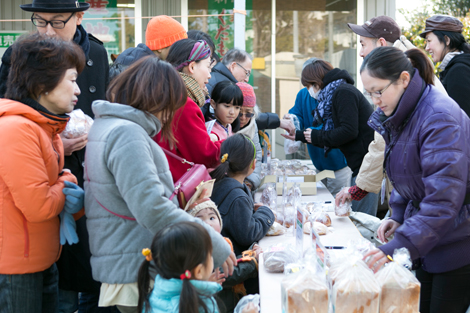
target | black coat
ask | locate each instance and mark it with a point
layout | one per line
(351, 111)
(456, 80)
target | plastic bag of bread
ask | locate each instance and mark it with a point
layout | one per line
(278, 255)
(320, 216)
(290, 214)
(319, 227)
(344, 209)
(356, 288)
(248, 304)
(78, 125)
(400, 288)
(269, 196)
(276, 229)
(305, 291)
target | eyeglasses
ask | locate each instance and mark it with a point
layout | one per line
(247, 115)
(247, 72)
(58, 24)
(378, 94)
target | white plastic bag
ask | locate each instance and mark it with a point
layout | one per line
(289, 145)
(78, 125)
(248, 304)
(277, 256)
(400, 288)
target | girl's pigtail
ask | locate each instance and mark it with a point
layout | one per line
(221, 171)
(190, 299)
(143, 284)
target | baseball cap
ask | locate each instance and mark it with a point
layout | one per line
(377, 27)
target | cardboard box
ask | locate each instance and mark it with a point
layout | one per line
(308, 183)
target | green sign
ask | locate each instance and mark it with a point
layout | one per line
(7, 39)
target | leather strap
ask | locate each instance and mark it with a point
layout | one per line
(465, 201)
(177, 157)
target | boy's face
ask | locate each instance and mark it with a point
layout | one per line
(209, 216)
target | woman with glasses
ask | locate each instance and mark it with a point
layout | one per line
(339, 121)
(192, 59)
(427, 160)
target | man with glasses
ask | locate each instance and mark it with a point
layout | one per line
(62, 19)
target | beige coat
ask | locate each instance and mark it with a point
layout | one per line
(371, 172)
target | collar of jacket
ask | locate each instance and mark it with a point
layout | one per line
(223, 70)
(194, 90)
(405, 107)
(250, 129)
(106, 109)
(449, 56)
(171, 287)
(35, 112)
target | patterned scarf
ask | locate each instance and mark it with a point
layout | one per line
(194, 90)
(323, 111)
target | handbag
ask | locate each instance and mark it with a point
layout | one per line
(187, 185)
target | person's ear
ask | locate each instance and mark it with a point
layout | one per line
(382, 42)
(192, 67)
(197, 272)
(253, 164)
(405, 78)
(79, 17)
(232, 66)
(213, 104)
(447, 40)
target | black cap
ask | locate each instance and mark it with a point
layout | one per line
(57, 6)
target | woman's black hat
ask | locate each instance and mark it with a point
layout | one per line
(55, 6)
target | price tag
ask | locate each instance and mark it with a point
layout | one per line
(299, 231)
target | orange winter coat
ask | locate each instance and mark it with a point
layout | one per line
(31, 183)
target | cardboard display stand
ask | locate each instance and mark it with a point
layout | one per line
(308, 183)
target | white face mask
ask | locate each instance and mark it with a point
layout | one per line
(312, 93)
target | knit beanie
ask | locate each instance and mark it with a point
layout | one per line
(207, 204)
(249, 97)
(163, 31)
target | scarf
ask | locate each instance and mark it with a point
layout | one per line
(194, 91)
(81, 39)
(323, 111)
(449, 56)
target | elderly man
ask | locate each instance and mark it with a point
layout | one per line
(63, 19)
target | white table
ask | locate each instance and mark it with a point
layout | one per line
(270, 283)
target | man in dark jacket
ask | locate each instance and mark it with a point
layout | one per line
(63, 20)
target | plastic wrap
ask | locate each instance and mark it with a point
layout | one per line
(400, 288)
(356, 288)
(343, 209)
(248, 304)
(320, 228)
(78, 125)
(321, 217)
(277, 256)
(269, 196)
(305, 291)
(276, 229)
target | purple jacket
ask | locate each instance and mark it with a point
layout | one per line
(428, 136)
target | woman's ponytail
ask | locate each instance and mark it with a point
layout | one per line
(388, 63)
(421, 62)
(190, 299)
(143, 284)
(221, 171)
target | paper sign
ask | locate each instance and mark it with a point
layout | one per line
(205, 187)
(319, 248)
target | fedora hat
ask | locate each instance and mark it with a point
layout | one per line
(55, 6)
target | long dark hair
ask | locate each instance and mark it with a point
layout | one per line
(38, 65)
(457, 42)
(153, 86)
(176, 249)
(226, 91)
(389, 62)
(237, 152)
(180, 52)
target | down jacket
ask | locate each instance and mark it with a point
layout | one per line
(428, 162)
(127, 173)
(31, 183)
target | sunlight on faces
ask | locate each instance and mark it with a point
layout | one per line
(238, 72)
(435, 47)
(243, 119)
(225, 113)
(200, 71)
(209, 217)
(65, 33)
(64, 96)
(391, 96)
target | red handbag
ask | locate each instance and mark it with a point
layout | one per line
(187, 185)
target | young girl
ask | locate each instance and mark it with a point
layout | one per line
(182, 257)
(227, 99)
(244, 222)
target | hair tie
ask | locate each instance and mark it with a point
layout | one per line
(200, 51)
(147, 253)
(224, 158)
(185, 275)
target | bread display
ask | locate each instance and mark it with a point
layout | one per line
(279, 255)
(319, 227)
(322, 217)
(343, 209)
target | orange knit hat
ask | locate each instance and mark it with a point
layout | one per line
(163, 31)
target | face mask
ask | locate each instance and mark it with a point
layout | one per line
(312, 93)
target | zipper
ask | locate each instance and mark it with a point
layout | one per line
(53, 148)
(26, 237)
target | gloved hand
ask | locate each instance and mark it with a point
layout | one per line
(74, 197)
(403, 44)
(342, 196)
(68, 229)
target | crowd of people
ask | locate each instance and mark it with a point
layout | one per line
(91, 224)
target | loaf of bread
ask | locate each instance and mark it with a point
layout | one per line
(322, 217)
(303, 292)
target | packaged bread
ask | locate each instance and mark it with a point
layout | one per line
(78, 125)
(321, 217)
(343, 209)
(400, 288)
(289, 215)
(277, 256)
(276, 229)
(305, 291)
(319, 227)
(356, 289)
(269, 196)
